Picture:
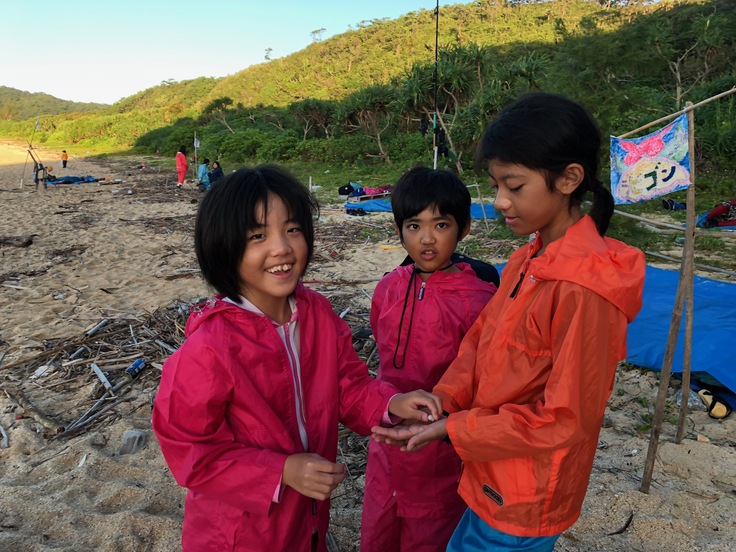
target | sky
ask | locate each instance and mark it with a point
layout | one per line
(105, 50)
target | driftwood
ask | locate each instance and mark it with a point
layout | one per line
(19, 398)
(17, 241)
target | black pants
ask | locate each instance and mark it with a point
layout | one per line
(63, 163)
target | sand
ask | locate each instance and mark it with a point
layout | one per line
(121, 250)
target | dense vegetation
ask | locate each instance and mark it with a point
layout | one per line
(19, 105)
(359, 99)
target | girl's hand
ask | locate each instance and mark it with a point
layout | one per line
(410, 438)
(409, 406)
(311, 475)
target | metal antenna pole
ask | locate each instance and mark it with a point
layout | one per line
(436, 48)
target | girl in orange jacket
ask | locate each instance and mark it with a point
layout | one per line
(526, 394)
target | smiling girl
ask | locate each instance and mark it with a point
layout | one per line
(248, 408)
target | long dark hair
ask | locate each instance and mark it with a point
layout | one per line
(547, 132)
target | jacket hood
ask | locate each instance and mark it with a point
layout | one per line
(466, 280)
(201, 312)
(606, 266)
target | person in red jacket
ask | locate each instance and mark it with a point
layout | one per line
(527, 392)
(248, 408)
(182, 166)
(419, 314)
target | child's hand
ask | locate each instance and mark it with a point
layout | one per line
(409, 406)
(312, 475)
(412, 437)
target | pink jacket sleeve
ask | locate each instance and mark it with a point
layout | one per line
(198, 443)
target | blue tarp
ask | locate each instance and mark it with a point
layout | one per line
(73, 180)
(384, 206)
(714, 330)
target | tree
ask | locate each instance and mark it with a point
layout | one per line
(314, 114)
(317, 35)
(370, 110)
(217, 110)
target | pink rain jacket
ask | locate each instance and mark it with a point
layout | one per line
(182, 165)
(530, 384)
(225, 417)
(425, 482)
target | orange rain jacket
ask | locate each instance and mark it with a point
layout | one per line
(529, 387)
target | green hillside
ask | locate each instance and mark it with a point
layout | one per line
(19, 105)
(360, 97)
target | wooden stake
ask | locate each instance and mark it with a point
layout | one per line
(684, 290)
(689, 254)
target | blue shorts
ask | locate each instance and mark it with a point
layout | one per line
(475, 535)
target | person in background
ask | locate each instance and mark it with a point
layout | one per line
(182, 166)
(203, 176)
(419, 315)
(527, 392)
(216, 173)
(64, 158)
(248, 407)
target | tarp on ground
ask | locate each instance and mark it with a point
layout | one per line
(384, 206)
(714, 330)
(72, 180)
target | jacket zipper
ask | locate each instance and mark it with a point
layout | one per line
(421, 290)
(518, 286)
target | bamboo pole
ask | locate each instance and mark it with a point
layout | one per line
(697, 265)
(684, 294)
(689, 107)
(689, 255)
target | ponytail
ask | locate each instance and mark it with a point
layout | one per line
(602, 209)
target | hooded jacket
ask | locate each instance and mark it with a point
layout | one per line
(436, 315)
(529, 387)
(182, 165)
(225, 417)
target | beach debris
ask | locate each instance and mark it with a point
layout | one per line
(42, 371)
(97, 327)
(625, 526)
(82, 461)
(133, 441)
(17, 241)
(18, 397)
(103, 378)
(6, 441)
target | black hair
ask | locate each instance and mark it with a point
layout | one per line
(232, 208)
(421, 188)
(183, 149)
(547, 132)
(206, 161)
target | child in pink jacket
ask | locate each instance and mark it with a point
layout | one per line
(248, 408)
(419, 315)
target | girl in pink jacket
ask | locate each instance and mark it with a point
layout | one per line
(248, 408)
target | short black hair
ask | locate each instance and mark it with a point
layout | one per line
(206, 161)
(421, 188)
(232, 208)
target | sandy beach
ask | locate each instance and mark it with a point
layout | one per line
(106, 270)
